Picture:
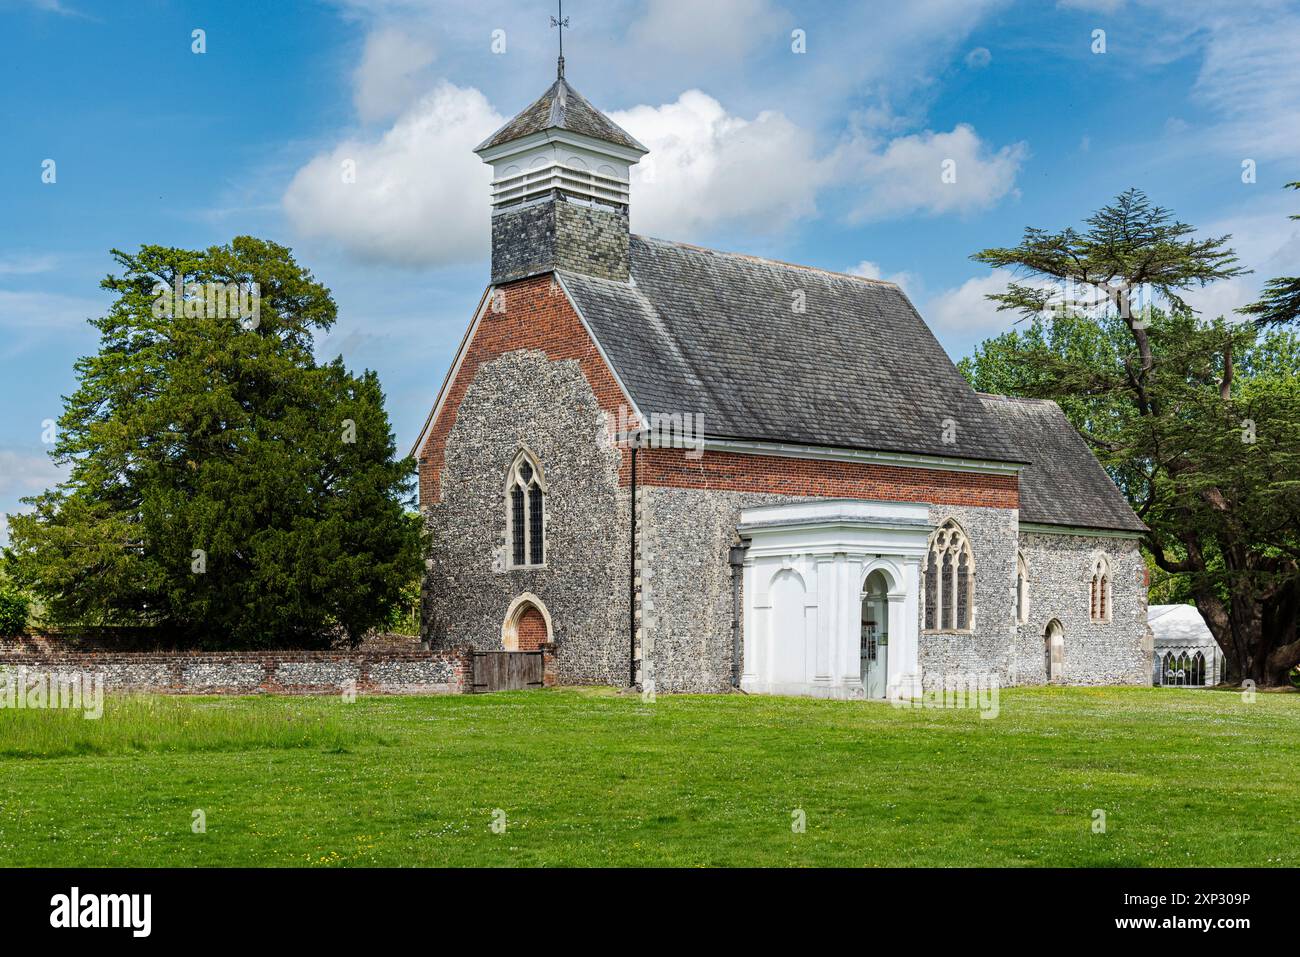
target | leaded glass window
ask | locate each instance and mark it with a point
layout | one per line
(963, 594)
(949, 591)
(535, 525)
(517, 523)
(931, 591)
(526, 513)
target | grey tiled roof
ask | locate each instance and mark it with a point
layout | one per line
(562, 107)
(1065, 484)
(701, 331)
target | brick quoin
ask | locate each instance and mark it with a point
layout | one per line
(538, 315)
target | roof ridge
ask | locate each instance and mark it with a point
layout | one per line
(587, 277)
(1016, 398)
(559, 104)
(767, 260)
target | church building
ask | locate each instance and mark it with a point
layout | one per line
(674, 467)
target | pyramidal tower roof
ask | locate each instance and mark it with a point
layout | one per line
(562, 108)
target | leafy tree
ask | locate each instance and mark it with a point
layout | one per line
(224, 485)
(14, 609)
(1195, 420)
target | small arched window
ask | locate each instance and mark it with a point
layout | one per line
(1022, 589)
(525, 512)
(1099, 593)
(949, 580)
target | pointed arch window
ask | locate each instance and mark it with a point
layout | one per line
(949, 580)
(1099, 594)
(526, 512)
(1183, 669)
(1022, 589)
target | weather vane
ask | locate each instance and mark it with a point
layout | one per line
(561, 22)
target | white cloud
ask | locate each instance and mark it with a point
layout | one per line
(24, 473)
(707, 166)
(1266, 242)
(29, 318)
(979, 58)
(908, 174)
(420, 196)
(1251, 77)
(1092, 6)
(718, 28)
(392, 74)
(964, 310)
(1222, 298)
(870, 270)
(413, 202)
(410, 204)
(1249, 74)
(56, 6)
(26, 264)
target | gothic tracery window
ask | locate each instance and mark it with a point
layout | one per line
(525, 512)
(949, 580)
(1099, 596)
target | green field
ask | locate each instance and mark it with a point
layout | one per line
(593, 777)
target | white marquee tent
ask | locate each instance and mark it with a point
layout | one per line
(1185, 650)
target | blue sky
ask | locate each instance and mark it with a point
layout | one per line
(829, 157)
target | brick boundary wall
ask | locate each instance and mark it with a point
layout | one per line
(446, 671)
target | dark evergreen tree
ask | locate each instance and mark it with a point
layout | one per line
(225, 487)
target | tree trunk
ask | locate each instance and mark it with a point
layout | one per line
(1258, 635)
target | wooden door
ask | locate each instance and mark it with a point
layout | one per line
(506, 670)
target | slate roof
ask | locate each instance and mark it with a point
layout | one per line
(702, 331)
(1065, 484)
(564, 108)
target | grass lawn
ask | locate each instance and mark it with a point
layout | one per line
(592, 777)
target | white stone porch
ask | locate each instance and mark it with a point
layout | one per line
(803, 582)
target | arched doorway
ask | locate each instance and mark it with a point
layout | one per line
(875, 635)
(1054, 651)
(527, 625)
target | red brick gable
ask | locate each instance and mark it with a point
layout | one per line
(532, 314)
(536, 314)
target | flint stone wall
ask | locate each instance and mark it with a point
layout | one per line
(269, 672)
(1113, 652)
